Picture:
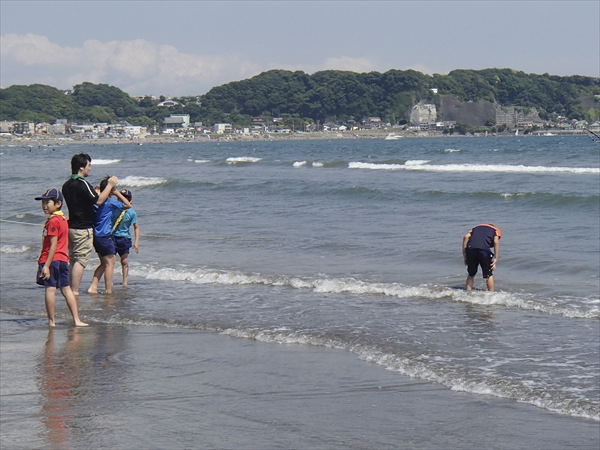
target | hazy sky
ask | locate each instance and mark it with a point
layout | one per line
(186, 47)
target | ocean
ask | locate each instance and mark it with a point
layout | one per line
(350, 248)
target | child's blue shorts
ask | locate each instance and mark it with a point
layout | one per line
(59, 275)
(104, 245)
(122, 245)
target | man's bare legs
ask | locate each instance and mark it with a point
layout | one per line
(76, 274)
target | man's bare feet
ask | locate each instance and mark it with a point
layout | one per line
(75, 293)
(81, 324)
(92, 291)
(51, 323)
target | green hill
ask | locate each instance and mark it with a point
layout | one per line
(300, 98)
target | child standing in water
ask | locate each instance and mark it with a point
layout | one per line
(104, 242)
(122, 224)
(53, 269)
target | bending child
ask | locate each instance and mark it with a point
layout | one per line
(104, 243)
(122, 223)
(53, 263)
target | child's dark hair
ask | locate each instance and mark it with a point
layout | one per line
(104, 183)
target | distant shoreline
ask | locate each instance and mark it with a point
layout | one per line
(38, 141)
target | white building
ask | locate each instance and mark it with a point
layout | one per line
(423, 113)
(222, 128)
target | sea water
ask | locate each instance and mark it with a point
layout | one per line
(351, 244)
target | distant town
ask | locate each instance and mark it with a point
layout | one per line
(297, 105)
(423, 123)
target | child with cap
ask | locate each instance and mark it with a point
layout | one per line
(53, 269)
(122, 223)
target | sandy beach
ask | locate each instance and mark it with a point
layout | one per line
(113, 386)
(55, 141)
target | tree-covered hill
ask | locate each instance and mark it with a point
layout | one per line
(300, 97)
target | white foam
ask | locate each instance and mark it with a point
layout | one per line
(354, 286)
(300, 164)
(416, 162)
(433, 368)
(201, 161)
(503, 168)
(133, 181)
(104, 162)
(317, 164)
(243, 159)
(452, 150)
(508, 195)
(15, 248)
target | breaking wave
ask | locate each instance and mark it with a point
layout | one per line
(474, 168)
(556, 306)
(133, 181)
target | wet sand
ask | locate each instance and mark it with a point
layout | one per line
(113, 386)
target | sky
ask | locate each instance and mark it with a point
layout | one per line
(179, 48)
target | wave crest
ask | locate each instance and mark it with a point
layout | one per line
(104, 162)
(502, 168)
(134, 181)
(359, 287)
(15, 248)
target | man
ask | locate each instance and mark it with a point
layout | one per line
(81, 198)
(476, 252)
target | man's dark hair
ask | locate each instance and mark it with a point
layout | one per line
(79, 161)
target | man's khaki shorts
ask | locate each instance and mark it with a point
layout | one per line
(81, 244)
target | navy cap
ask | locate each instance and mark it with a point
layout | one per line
(126, 193)
(54, 194)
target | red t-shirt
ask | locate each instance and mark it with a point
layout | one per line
(56, 226)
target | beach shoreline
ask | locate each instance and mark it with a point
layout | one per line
(126, 386)
(44, 140)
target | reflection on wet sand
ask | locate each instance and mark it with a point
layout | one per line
(71, 369)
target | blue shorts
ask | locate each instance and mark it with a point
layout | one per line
(104, 245)
(479, 257)
(59, 275)
(122, 245)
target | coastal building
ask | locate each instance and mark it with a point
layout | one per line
(222, 128)
(6, 126)
(423, 114)
(175, 122)
(57, 128)
(47, 128)
(168, 103)
(511, 116)
(198, 127)
(23, 128)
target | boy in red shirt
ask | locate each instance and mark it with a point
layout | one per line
(53, 270)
